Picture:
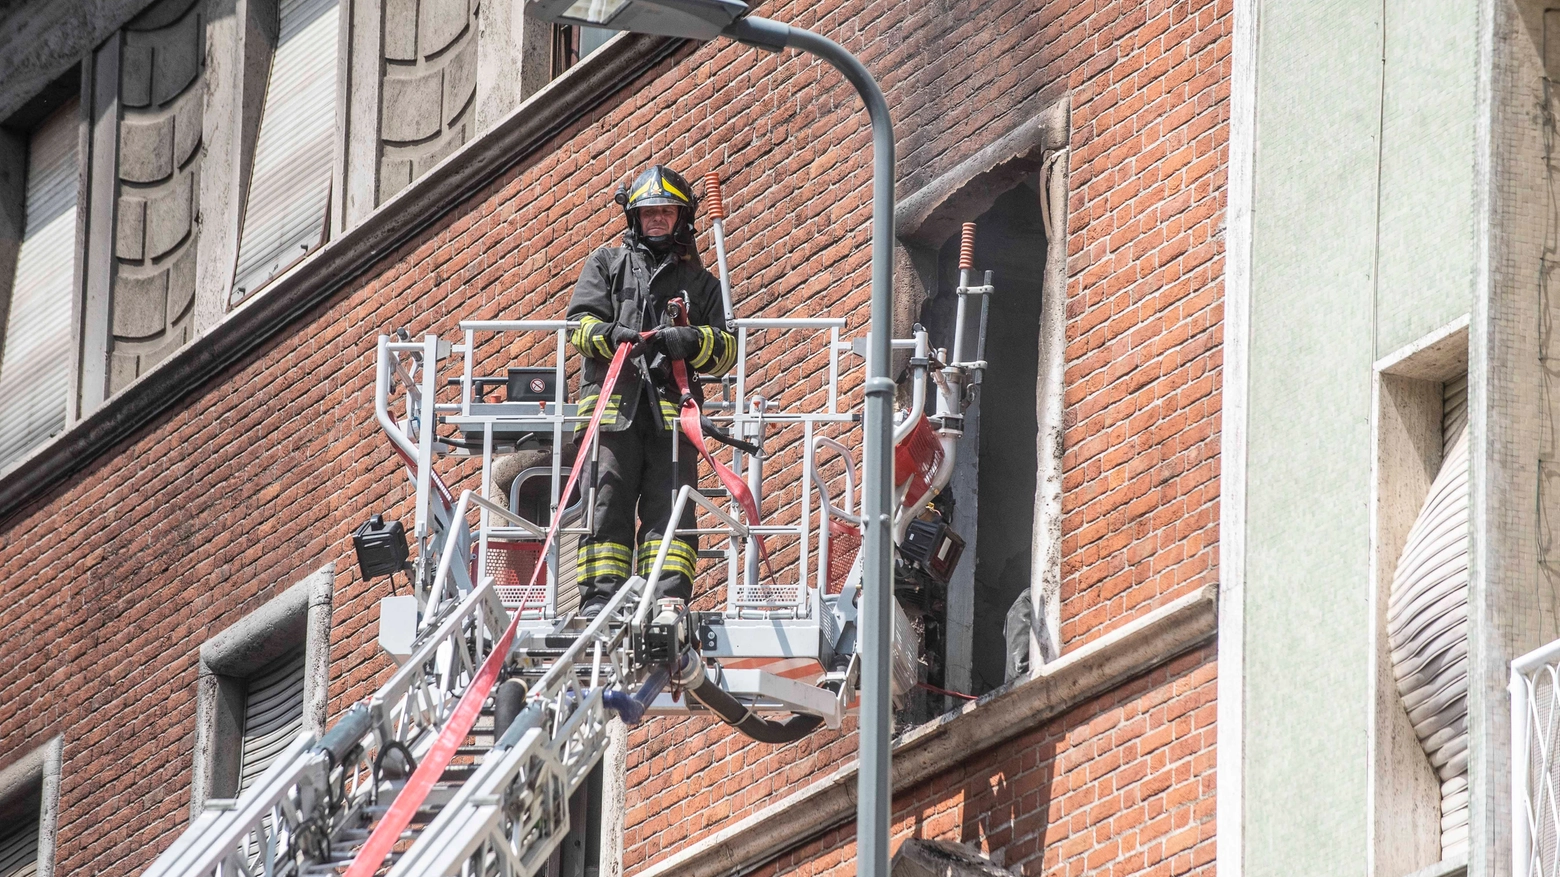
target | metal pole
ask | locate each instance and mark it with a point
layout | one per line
(873, 803)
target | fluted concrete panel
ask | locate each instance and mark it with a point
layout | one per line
(140, 306)
(147, 147)
(439, 25)
(168, 216)
(400, 30)
(429, 86)
(159, 173)
(130, 229)
(412, 106)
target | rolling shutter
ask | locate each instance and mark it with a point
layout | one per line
(288, 202)
(19, 849)
(273, 716)
(35, 358)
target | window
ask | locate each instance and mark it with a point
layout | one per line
(573, 44)
(990, 500)
(29, 799)
(287, 210)
(262, 682)
(35, 348)
(273, 715)
(19, 840)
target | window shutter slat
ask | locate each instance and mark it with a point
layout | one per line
(273, 716)
(289, 189)
(35, 358)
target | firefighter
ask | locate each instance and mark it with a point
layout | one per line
(622, 293)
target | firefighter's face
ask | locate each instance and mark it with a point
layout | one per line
(658, 220)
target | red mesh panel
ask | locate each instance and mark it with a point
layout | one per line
(916, 458)
(511, 564)
(844, 545)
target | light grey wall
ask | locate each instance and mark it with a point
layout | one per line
(1362, 241)
(1308, 454)
(1427, 168)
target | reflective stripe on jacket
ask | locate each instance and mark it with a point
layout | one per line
(631, 286)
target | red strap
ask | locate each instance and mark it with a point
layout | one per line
(689, 416)
(412, 795)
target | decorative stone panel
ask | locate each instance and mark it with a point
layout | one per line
(430, 82)
(159, 176)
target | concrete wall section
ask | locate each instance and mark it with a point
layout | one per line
(1427, 164)
(1309, 469)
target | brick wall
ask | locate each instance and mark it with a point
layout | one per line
(1123, 785)
(198, 518)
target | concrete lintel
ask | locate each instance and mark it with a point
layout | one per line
(332, 268)
(1438, 356)
(943, 743)
(267, 633)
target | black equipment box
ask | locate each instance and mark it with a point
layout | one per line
(532, 385)
(381, 547)
(933, 548)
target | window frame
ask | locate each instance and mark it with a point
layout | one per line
(37, 772)
(300, 615)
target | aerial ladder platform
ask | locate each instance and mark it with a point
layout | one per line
(463, 763)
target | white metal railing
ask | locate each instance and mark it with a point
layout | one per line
(1535, 763)
(751, 588)
(510, 815)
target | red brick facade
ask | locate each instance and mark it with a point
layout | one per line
(257, 479)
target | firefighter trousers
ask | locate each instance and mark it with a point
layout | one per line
(635, 470)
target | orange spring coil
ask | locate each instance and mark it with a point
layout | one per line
(967, 247)
(712, 196)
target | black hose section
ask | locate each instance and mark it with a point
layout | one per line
(346, 733)
(733, 713)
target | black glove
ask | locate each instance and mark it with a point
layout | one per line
(619, 335)
(679, 342)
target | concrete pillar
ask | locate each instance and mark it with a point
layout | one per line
(240, 37)
(514, 59)
(365, 39)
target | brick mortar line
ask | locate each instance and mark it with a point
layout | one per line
(1073, 679)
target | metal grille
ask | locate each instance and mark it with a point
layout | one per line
(1535, 714)
(19, 849)
(289, 189)
(273, 716)
(35, 358)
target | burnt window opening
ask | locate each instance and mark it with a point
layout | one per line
(990, 499)
(573, 43)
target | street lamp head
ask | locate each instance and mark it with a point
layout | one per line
(689, 19)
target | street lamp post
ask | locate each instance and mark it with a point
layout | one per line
(705, 20)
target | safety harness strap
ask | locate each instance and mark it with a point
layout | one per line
(690, 417)
(416, 790)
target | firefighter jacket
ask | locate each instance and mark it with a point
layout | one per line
(631, 285)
